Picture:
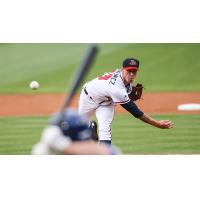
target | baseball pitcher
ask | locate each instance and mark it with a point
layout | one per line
(100, 96)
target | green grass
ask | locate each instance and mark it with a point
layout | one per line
(135, 137)
(164, 67)
(18, 134)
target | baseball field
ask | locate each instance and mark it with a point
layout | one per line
(169, 72)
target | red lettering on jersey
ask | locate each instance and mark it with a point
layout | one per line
(106, 76)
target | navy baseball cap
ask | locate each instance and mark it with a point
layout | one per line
(131, 64)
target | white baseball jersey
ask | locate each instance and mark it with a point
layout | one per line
(108, 89)
(100, 96)
(52, 142)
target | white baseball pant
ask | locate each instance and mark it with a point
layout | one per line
(104, 114)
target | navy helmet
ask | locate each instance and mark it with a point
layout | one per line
(72, 125)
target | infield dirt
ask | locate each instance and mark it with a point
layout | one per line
(45, 104)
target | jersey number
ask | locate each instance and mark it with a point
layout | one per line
(106, 76)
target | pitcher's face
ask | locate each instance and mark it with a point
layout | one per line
(129, 76)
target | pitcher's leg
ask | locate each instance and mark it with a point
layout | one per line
(86, 106)
(105, 116)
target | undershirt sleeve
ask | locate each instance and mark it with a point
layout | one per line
(132, 108)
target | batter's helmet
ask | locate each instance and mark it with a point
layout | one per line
(72, 125)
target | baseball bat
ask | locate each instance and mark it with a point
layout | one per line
(82, 71)
(79, 76)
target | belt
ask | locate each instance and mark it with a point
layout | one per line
(86, 92)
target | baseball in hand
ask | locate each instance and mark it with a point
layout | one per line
(34, 85)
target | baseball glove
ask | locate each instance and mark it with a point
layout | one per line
(136, 92)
